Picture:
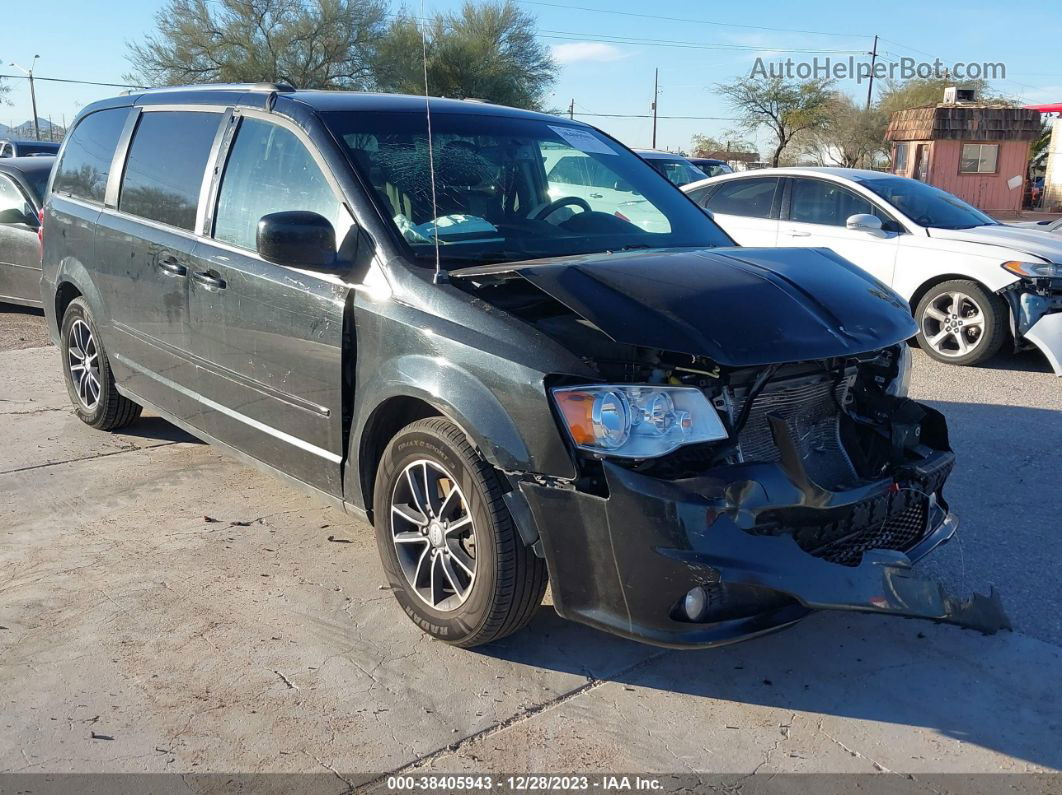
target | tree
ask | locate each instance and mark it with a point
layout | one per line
(487, 52)
(707, 146)
(308, 43)
(786, 108)
(5, 89)
(851, 136)
(919, 91)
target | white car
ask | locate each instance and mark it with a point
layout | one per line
(972, 282)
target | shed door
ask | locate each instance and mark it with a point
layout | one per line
(921, 169)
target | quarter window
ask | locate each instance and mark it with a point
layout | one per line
(86, 162)
(752, 198)
(979, 159)
(167, 160)
(268, 171)
(815, 201)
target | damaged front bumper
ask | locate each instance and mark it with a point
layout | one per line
(1037, 317)
(752, 537)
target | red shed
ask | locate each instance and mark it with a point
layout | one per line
(977, 151)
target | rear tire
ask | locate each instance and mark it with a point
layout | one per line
(960, 322)
(87, 371)
(455, 562)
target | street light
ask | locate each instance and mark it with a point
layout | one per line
(33, 94)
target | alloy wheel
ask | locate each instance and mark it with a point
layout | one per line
(83, 359)
(953, 324)
(434, 535)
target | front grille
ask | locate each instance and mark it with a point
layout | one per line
(901, 532)
(810, 409)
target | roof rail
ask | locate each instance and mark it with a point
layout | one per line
(283, 88)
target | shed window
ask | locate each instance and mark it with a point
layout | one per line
(979, 159)
(900, 163)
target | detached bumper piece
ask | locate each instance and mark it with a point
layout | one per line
(752, 547)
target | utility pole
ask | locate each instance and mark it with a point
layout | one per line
(873, 61)
(571, 109)
(33, 95)
(656, 91)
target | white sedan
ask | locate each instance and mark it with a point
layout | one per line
(972, 282)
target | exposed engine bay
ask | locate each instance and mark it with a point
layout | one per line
(827, 452)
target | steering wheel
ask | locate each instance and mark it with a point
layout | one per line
(553, 206)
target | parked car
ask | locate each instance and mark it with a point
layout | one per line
(408, 327)
(711, 167)
(971, 282)
(23, 181)
(676, 168)
(15, 148)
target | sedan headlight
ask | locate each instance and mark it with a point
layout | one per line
(1034, 270)
(636, 421)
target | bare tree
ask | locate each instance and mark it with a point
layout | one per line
(308, 43)
(787, 109)
(487, 51)
(851, 135)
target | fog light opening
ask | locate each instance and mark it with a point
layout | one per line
(695, 604)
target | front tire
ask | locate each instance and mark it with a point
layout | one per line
(87, 372)
(960, 322)
(455, 562)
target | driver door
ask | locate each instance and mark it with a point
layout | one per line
(815, 215)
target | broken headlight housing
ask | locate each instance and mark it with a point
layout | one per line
(901, 384)
(1034, 270)
(636, 421)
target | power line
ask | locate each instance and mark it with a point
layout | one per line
(67, 80)
(566, 35)
(567, 7)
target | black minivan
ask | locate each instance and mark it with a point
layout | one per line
(384, 299)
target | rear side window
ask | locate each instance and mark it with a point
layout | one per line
(269, 171)
(167, 160)
(752, 198)
(86, 163)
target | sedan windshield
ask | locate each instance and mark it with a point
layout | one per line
(677, 169)
(926, 205)
(509, 189)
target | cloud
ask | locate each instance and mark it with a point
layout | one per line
(586, 51)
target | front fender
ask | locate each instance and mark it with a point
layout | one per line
(520, 436)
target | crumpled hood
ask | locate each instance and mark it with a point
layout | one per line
(738, 306)
(1022, 239)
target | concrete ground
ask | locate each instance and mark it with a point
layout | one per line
(165, 609)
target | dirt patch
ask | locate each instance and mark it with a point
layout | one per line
(22, 327)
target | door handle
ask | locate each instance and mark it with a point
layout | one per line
(209, 280)
(596, 195)
(170, 266)
(797, 233)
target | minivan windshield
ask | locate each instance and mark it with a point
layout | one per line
(677, 169)
(509, 188)
(926, 205)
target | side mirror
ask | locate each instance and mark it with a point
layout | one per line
(864, 222)
(297, 238)
(623, 186)
(13, 215)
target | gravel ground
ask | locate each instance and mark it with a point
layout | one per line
(22, 327)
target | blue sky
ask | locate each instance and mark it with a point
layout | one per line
(607, 59)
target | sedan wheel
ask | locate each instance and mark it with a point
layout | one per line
(953, 324)
(960, 322)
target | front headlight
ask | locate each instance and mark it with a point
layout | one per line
(900, 385)
(636, 421)
(1034, 270)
